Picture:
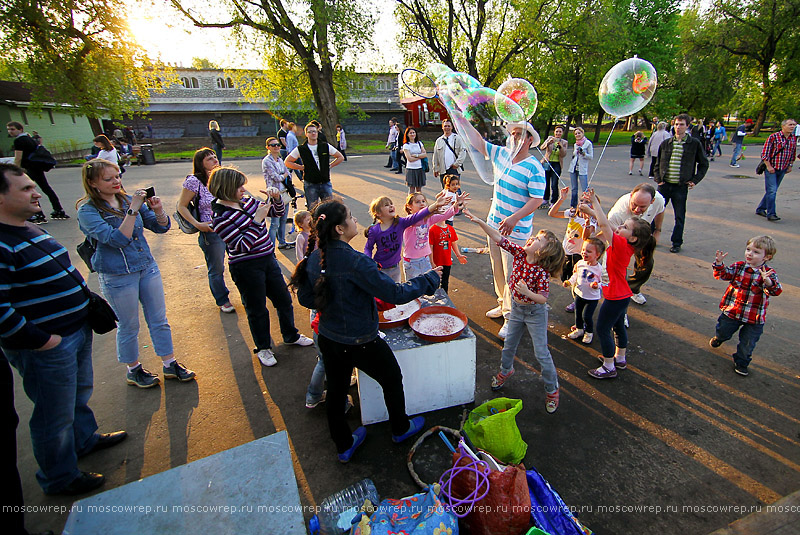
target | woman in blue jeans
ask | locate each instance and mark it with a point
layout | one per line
(195, 188)
(128, 273)
(582, 154)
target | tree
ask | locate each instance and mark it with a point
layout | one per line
(762, 37)
(69, 51)
(484, 38)
(318, 33)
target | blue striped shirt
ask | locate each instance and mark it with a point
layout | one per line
(38, 298)
(514, 185)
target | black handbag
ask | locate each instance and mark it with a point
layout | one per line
(101, 317)
(86, 251)
(761, 167)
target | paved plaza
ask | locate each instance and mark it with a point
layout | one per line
(677, 444)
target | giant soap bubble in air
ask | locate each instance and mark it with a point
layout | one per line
(520, 91)
(627, 87)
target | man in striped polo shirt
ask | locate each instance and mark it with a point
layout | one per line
(519, 183)
(680, 166)
(45, 336)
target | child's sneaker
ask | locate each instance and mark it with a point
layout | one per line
(715, 342)
(603, 373)
(310, 403)
(575, 334)
(618, 364)
(267, 357)
(587, 338)
(570, 307)
(500, 379)
(552, 402)
(741, 370)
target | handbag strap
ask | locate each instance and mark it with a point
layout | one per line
(81, 282)
(449, 147)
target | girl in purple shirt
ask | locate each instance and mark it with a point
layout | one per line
(386, 233)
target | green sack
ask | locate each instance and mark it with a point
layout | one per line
(493, 427)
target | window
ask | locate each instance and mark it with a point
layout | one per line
(190, 83)
(50, 116)
(380, 85)
(246, 120)
(224, 83)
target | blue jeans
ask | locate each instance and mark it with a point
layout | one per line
(552, 173)
(395, 155)
(317, 192)
(717, 149)
(772, 182)
(534, 317)
(218, 150)
(317, 384)
(59, 383)
(748, 337)
(214, 250)
(612, 316)
(737, 151)
(124, 293)
(573, 177)
(277, 229)
(416, 267)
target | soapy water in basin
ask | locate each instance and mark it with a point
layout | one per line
(438, 324)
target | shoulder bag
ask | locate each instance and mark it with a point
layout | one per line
(425, 166)
(194, 209)
(762, 165)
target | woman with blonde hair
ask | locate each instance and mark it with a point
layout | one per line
(216, 139)
(128, 274)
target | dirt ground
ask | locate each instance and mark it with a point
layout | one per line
(677, 444)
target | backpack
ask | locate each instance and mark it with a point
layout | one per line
(42, 159)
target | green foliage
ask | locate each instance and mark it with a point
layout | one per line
(69, 52)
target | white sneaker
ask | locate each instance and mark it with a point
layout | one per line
(303, 341)
(496, 312)
(639, 299)
(575, 334)
(503, 331)
(587, 338)
(626, 322)
(267, 357)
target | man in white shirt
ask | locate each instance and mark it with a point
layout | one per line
(316, 165)
(449, 152)
(646, 203)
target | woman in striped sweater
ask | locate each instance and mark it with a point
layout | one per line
(239, 221)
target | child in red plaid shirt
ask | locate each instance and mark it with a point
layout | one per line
(744, 305)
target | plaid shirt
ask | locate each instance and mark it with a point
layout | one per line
(783, 159)
(746, 298)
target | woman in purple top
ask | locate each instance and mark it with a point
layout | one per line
(386, 233)
(195, 188)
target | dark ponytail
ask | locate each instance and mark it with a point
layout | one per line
(645, 244)
(326, 216)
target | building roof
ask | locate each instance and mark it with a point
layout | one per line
(14, 91)
(255, 107)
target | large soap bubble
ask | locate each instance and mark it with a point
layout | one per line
(521, 92)
(627, 87)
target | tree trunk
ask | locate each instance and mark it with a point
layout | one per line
(762, 115)
(599, 125)
(324, 96)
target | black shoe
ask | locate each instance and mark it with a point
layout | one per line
(773, 218)
(675, 249)
(715, 342)
(740, 370)
(58, 214)
(399, 173)
(106, 440)
(762, 214)
(38, 219)
(387, 166)
(86, 482)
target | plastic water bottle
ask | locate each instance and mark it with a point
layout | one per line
(478, 250)
(337, 511)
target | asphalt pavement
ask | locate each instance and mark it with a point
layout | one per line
(678, 443)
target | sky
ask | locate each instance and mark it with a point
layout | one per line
(164, 35)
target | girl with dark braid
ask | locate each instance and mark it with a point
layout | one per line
(342, 284)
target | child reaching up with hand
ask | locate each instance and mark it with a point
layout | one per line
(744, 305)
(633, 236)
(385, 235)
(586, 280)
(534, 263)
(444, 242)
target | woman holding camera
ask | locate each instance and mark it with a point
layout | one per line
(275, 176)
(240, 221)
(195, 188)
(128, 274)
(582, 154)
